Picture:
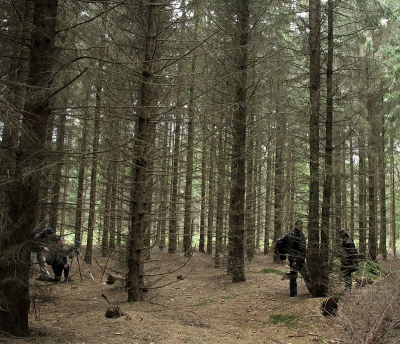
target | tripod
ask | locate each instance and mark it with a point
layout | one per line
(77, 255)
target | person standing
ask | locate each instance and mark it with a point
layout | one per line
(349, 259)
(297, 251)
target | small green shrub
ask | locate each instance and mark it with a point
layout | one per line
(370, 269)
(288, 320)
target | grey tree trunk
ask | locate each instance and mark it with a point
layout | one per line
(362, 195)
(372, 165)
(238, 172)
(382, 189)
(203, 191)
(315, 89)
(173, 222)
(55, 194)
(392, 243)
(211, 187)
(95, 148)
(268, 188)
(143, 142)
(81, 174)
(327, 188)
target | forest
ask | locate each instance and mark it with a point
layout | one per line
(188, 128)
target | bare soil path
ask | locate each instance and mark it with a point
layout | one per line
(203, 307)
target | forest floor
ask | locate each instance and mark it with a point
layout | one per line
(202, 307)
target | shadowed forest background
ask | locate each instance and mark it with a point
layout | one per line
(211, 126)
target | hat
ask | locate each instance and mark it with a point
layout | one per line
(48, 230)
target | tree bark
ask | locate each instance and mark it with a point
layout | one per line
(211, 198)
(279, 175)
(382, 189)
(372, 149)
(219, 225)
(30, 173)
(81, 175)
(361, 196)
(95, 148)
(268, 188)
(313, 217)
(327, 188)
(203, 191)
(392, 243)
(143, 142)
(238, 173)
(173, 222)
(55, 194)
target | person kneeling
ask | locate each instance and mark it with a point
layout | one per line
(57, 258)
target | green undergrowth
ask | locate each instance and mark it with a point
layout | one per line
(288, 320)
(271, 271)
(370, 269)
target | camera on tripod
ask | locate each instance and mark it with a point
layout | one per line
(78, 254)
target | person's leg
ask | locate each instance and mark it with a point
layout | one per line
(41, 257)
(57, 269)
(306, 276)
(347, 280)
(67, 273)
(293, 282)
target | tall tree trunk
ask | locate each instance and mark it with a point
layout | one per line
(95, 148)
(114, 205)
(14, 94)
(382, 189)
(187, 224)
(361, 195)
(81, 174)
(258, 188)
(313, 217)
(164, 188)
(143, 141)
(279, 176)
(29, 175)
(105, 235)
(219, 226)
(238, 173)
(372, 216)
(211, 187)
(268, 188)
(323, 282)
(64, 206)
(173, 222)
(249, 215)
(203, 191)
(187, 235)
(352, 212)
(291, 181)
(149, 203)
(55, 194)
(392, 195)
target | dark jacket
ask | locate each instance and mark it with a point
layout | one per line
(58, 253)
(349, 255)
(297, 247)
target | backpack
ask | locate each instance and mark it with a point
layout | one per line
(281, 247)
